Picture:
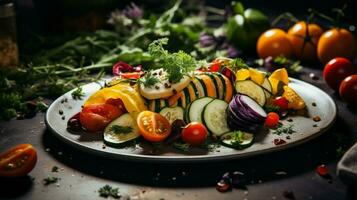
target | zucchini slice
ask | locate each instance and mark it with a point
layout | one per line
(267, 85)
(215, 117)
(237, 139)
(172, 113)
(196, 109)
(252, 90)
(120, 131)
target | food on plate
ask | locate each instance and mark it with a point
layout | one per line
(303, 37)
(18, 161)
(336, 70)
(274, 42)
(348, 89)
(226, 105)
(336, 42)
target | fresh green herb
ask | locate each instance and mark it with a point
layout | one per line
(210, 145)
(281, 129)
(78, 93)
(238, 64)
(149, 80)
(236, 137)
(176, 64)
(108, 191)
(116, 129)
(181, 146)
(50, 180)
(55, 169)
(271, 108)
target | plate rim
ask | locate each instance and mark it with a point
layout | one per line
(188, 158)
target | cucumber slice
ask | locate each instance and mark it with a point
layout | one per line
(128, 127)
(215, 117)
(237, 139)
(196, 109)
(266, 85)
(172, 113)
(252, 90)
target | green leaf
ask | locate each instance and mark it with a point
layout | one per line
(238, 8)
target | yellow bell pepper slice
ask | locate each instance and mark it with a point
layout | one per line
(279, 75)
(256, 76)
(242, 74)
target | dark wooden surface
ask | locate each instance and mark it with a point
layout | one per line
(82, 174)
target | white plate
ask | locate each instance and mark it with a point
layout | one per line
(306, 129)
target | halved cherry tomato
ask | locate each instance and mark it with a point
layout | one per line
(336, 70)
(272, 120)
(18, 161)
(153, 126)
(194, 133)
(303, 38)
(96, 117)
(348, 89)
(274, 42)
(282, 102)
(336, 42)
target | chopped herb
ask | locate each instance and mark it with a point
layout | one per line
(116, 129)
(149, 80)
(55, 169)
(210, 145)
(49, 180)
(107, 191)
(238, 64)
(78, 93)
(284, 129)
(181, 146)
(271, 108)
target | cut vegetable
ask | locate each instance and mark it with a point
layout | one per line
(237, 139)
(251, 89)
(121, 130)
(215, 117)
(266, 85)
(196, 109)
(172, 113)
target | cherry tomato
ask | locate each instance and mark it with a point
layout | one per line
(153, 126)
(303, 38)
(96, 117)
(348, 89)
(274, 42)
(272, 120)
(282, 102)
(336, 70)
(336, 42)
(118, 103)
(18, 161)
(194, 133)
(215, 66)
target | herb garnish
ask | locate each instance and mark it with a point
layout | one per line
(49, 180)
(55, 169)
(108, 191)
(284, 129)
(78, 93)
(116, 129)
(181, 146)
(271, 108)
(149, 80)
(176, 64)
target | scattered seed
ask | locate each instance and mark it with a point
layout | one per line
(157, 87)
(316, 118)
(60, 112)
(315, 125)
(313, 104)
(223, 186)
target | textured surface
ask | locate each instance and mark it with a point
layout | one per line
(269, 175)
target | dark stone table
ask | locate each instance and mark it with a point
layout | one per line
(269, 176)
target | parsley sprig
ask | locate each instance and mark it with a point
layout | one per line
(116, 129)
(108, 191)
(281, 129)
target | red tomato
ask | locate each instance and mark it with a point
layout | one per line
(118, 103)
(272, 120)
(282, 102)
(153, 126)
(18, 161)
(194, 133)
(215, 66)
(336, 70)
(96, 117)
(348, 89)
